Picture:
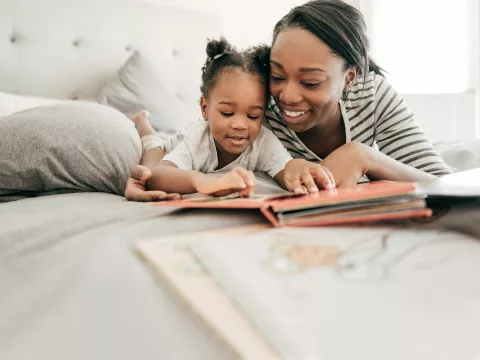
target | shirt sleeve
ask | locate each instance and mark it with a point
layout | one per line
(398, 135)
(181, 156)
(273, 156)
(172, 142)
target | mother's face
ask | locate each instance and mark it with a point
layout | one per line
(307, 79)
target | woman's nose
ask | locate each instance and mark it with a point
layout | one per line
(289, 94)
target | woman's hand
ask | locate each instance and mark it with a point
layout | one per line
(136, 189)
(238, 179)
(349, 163)
(302, 176)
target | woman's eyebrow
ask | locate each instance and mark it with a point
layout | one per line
(302, 69)
(310, 69)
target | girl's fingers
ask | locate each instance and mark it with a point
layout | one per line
(297, 187)
(309, 183)
(322, 177)
(246, 175)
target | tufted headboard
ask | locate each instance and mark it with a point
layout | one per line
(68, 48)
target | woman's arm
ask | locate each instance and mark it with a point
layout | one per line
(352, 161)
(400, 138)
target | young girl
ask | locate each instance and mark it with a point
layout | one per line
(231, 141)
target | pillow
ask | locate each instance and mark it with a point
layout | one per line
(137, 87)
(460, 155)
(10, 103)
(78, 146)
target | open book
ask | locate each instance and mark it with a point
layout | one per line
(368, 202)
(374, 201)
(329, 293)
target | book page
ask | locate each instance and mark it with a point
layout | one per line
(354, 293)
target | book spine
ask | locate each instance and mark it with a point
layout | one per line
(270, 215)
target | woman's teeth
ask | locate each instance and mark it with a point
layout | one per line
(294, 114)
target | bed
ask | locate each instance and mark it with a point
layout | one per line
(71, 286)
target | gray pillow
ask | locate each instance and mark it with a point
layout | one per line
(136, 87)
(70, 147)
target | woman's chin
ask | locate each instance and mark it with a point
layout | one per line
(298, 124)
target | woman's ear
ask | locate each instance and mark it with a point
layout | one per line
(204, 107)
(350, 77)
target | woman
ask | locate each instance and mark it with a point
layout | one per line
(330, 103)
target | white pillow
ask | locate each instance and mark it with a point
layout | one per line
(460, 155)
(11, 103)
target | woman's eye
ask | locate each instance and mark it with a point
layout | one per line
(226, 114)
(277, 79)
(310, 85)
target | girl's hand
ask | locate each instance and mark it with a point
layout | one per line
(302, 176)
(238, 179)
(349, 163)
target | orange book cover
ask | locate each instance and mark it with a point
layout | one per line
(374, 201)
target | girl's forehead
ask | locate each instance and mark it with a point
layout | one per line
(233, 79)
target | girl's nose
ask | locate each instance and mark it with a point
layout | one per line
(239, 123)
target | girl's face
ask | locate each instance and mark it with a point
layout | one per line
(307, 79)
(235, 109)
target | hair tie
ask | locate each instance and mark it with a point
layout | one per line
(218, 56)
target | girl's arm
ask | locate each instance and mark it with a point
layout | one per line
(169, 178)
(152, 157)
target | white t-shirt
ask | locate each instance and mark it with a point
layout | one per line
(194, 149)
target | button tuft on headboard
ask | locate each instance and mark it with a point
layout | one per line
(128, 48)
(13, 38)
(76, 42)
(175, 52)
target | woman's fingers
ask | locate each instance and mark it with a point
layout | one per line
(141, 173)
(134, 191)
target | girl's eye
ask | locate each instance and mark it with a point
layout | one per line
(253, 117)
(226, 114)
(277, 79)
(309, 85)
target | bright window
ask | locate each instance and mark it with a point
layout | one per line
(427, 46)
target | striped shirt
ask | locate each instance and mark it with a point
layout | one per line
(376, 115)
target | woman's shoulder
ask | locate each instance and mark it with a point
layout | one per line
(367, 89)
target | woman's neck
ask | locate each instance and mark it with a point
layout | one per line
(327, 136)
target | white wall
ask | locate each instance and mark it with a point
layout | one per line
(245, 22)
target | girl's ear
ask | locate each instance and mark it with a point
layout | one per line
(350, 78)
(204, 107)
